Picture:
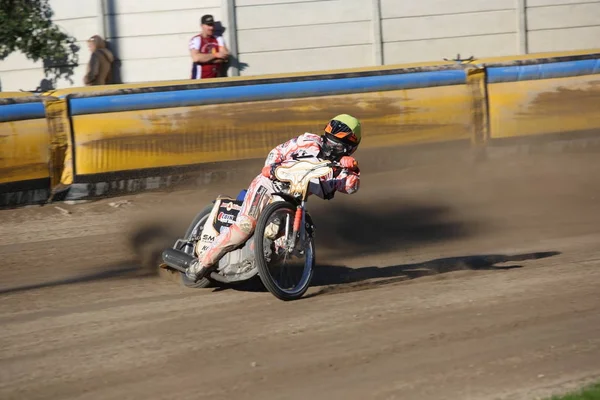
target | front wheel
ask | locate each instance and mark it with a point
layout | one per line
(286, 275)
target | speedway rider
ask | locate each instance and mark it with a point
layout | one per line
(340, 140)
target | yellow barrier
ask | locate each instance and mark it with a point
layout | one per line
(24, 150)
(476, 83)
(477, 111)
(61, 148)
(34, 148)
(13, 95)
(536, 107)
(94, 134)
(23, 143)
(121, 141)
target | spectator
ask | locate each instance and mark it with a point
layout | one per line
(207, 51)
(99, 68)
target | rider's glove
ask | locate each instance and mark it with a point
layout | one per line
(268, 171)
(349, 163)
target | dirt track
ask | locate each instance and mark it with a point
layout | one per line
(462, 282)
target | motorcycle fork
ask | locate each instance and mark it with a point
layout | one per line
(299, 227)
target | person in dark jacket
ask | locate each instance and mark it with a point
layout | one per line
(99, 68)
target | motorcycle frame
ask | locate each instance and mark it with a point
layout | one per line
(299, 200)
(299, 196)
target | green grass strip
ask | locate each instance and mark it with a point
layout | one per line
(591, 392)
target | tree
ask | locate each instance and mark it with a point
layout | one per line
(26, 26)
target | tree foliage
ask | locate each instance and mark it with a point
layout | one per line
(26, 26)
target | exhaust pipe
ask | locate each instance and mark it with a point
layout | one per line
(177, 259)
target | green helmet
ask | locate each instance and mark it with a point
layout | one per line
(342, 137)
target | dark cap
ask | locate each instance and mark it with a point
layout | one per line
(207, 20)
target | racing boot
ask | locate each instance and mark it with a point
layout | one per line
(196, 271)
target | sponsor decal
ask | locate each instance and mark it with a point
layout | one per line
(226, 218)
(257, 201)
(231, 206)
(208, 238)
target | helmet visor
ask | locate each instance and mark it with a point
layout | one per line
(336, 149)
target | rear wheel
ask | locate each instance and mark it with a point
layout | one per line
(194, 231)
(286, 275)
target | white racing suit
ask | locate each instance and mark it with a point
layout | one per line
(262, 188)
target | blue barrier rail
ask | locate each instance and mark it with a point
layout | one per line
(542, 71)
(194, 97)
(21, 111)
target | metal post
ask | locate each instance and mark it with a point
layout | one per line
(522, 27)
(228, 12)
(376, 33)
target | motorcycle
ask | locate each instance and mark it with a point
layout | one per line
(281, 250)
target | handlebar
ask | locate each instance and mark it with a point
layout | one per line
(331, 164)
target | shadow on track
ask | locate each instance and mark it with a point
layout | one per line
(386, 225)
(118, 271)
(342, 228)
(335, 279)
(339, 279)
(347, 228)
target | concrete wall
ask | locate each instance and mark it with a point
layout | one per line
(305, 35)
(150, 37)
(294, 36)
(556, 25)
(428, 30)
